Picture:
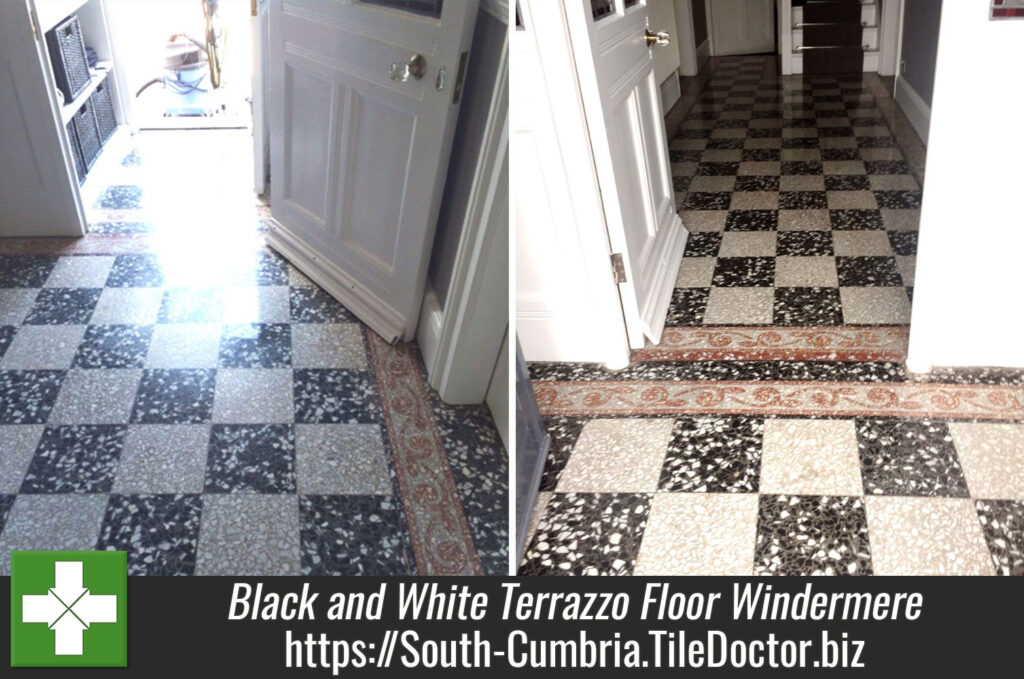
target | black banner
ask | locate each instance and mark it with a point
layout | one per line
(553, 626)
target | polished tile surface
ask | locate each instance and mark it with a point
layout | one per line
(212, 411)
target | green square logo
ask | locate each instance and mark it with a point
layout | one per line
(69, 609)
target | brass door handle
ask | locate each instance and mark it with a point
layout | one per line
(657, 39)
(414, 68)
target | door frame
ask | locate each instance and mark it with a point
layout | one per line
(460, 340)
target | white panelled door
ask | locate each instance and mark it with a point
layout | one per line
(625, 121)
(742, 26)
(38, 189)
(363, 103)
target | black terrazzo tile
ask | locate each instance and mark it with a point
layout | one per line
(903, 242)
(800, 167)
(801, 143)
(563, 432)
(25, 271)
(335, 396)
(121, 228)
(803, 200)
(120, 197)
(752, 220)
(900, 200)
(313, 305)
(174, 397)
(1001, 376)
(856, 220)
(479, 466)
(63, 306)
(744, 272)
(731, 144)
(687, 306)
(160, 533)
(1003, 524)
(680, 156)
(256, 345)
(840, 154)
(909, 457)
(251, 458)
(703, 244)
(764, 133)
(803, 243)
(707, 200)
(713, 455)
(6, 501)
(113, 346)
(7, 333)
(807, 306)
(588, 534)
(805, 535)
(757, 182)
(717, 169)
(887, 167)
(867, 271)
(847, 182)
(680, 183)
(353, 535)
(876, 142)
(834, 132)
(760, 155)
(27, 396)
(840, 371)
(693, 133)
(136, 271)
(76, 459)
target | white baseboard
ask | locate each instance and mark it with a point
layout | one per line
(670, 92)
(428, 333)
(914, 107)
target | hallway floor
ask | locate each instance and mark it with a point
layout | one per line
(170, 387)
(774, 430)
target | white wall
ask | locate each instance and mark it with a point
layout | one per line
(969, 281)
(662, 15)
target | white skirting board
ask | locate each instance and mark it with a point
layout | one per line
(914, 107)
(670, 92)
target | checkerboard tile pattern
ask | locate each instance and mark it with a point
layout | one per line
(209, 417)
(800, 207)
(785, 496)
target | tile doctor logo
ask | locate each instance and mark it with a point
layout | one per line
(69, 609)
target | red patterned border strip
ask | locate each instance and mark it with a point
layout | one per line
(830, 399)
(841, 343)
(440, 535)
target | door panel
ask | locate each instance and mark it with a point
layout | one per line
(39, 191)
(627, 132)
(359, 145)
(742, 26)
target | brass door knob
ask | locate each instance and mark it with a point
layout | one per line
(657, 39)
(414, 68)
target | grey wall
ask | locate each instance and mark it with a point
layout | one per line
(920, 42)
(485, 56)
(700, 22)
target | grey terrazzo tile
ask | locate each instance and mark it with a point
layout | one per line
(810, 457)
(42, 347)
(163, 458)
(341, 459)
(15, 303)
(160, 533)
(18, 444)
(249, 534)
(80, 272)
(353, 535)
(251, 459)
(328, 345)
(184, 345)
(805, 535)
(258, 395)
(51, 522)
(587, 534)
(127, 306)
(96, 397)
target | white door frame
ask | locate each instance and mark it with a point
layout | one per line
(461, 342)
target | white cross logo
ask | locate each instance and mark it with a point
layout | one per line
(68, 608)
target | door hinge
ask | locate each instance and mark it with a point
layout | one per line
(460, 77)
(34, 23)
(618, 268)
